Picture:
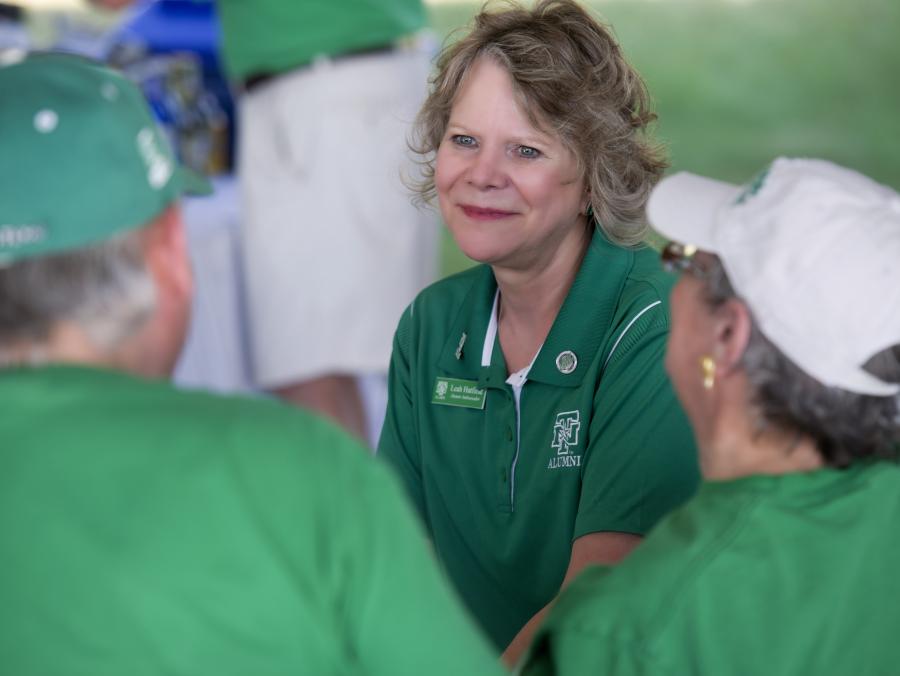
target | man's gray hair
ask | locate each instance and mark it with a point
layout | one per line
(845, 426)
(105, 289)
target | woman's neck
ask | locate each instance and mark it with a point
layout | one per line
(743, 451)
(530, 301)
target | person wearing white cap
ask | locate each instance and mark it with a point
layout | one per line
(785, 352)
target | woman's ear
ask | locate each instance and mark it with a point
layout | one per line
(732, 334)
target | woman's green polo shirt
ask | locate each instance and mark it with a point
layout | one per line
(600, 443)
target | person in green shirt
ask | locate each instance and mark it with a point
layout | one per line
(785, 351)
(329, 234)
(146, 530)
(326, 91)
(529, 414)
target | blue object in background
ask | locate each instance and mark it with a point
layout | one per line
(172, 27)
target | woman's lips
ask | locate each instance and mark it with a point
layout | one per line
(484, 214)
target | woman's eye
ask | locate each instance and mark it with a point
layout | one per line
(463, 140)
(527, 152)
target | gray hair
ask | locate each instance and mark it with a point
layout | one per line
(845, 426)
(105, 289)
(572, 79)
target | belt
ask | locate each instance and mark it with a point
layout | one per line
(255, 80)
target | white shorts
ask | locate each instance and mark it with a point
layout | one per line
(333, 249)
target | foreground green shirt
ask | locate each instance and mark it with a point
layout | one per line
(793, 574)
(271, 36)
(147, 531)
(599, 443)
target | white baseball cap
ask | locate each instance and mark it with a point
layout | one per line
(812, 248)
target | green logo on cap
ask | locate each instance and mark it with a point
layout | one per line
(753, 187)
(12, 236)
(160, 166)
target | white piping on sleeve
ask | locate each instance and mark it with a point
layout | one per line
(622, 335)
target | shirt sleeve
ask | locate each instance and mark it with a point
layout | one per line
(564, 651)
(403, 617)
(399, 446)
(567, 642)
(641, 461)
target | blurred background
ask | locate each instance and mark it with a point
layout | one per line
(735, 82)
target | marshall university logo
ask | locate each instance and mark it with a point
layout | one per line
(565, 438)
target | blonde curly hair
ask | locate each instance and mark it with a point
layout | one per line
(571, 79)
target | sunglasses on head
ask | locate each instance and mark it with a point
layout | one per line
(678, 257)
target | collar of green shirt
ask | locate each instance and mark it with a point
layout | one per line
(581, 326)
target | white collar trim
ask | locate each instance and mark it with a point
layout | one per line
(490, 337)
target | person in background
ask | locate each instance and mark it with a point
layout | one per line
(331, 239)
(785, 351)
(529, 414)
(333, 249)
(149, 530)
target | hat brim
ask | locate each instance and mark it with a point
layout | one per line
(684, 207)
(192, 183)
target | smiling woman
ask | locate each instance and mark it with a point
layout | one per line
(569, 445)
(512, 195)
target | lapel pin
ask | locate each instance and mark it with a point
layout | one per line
(459, 348)
(566, 362)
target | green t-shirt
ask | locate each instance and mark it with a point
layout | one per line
(599, 444)
(793, 574)
(149, 531)
(271, 36)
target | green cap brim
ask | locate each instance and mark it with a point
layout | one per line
(193, 183)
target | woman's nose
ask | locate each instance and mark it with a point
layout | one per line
(487, 170)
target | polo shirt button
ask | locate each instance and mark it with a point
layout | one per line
(509, 434)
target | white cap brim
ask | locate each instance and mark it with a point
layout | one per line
(683, 207)
(824, 367)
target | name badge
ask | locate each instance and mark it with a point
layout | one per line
(456, 392)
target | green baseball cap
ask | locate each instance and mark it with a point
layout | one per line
(82, 157)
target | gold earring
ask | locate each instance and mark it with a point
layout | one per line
(708, 366)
